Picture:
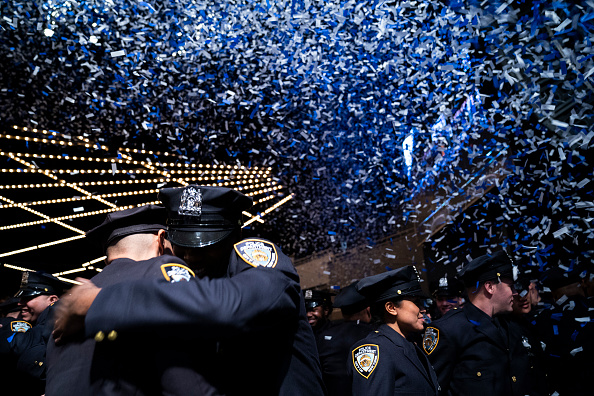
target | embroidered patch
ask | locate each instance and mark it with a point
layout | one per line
(176, 273)
(430, 339)
(257, 253)
(365, 359)
(19, 326)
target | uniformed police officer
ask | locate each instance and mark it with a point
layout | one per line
(448, 295)
(334, 343)
(470, 348)
(385, 363)
(37, 295)
(318, 305)
(10, 324)
(567, 331)
(256, 311)
(134, 243)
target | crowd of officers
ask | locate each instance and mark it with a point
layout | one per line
(186, 306)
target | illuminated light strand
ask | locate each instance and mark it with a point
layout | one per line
(251, 215)
(69, 280)
(72, 271)
(18, 268)
(71, 185)
(270, 209)
(23, 269)
(163, 173)
(268, 198)
(49, 141)
(134, 171)
(75, 185)
(54, 133)
(85, 198)
(98, 259)
(47, 219)
(264, 191)
(67, 157)
(11, 253)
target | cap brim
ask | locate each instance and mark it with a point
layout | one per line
(196, 238)
(29, 293)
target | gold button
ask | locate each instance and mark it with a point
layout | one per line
(112, 335)
(399, 292)
(40, 364)
(478, 374)
(100, 336)
(514, 378)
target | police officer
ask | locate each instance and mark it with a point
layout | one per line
(10, 324)
(318, 305)
(385, 363)
(529, 358)
(567, 333)
(448, 295)
(256, 311)
(334, 343)
(134, 243)
(37, 295)
(470, 348)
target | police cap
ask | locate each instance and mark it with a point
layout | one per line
(557, 277)
(10, 305)
(487, 267)
(398, 283)
(349, 300)
(315, 298)
(39, 283)
(199, 216)
(141, 220)
(448, 286)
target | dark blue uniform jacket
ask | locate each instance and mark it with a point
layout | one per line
(475, 357)
(256, 313)
(334, 348)
(394, 366)
(124, 364)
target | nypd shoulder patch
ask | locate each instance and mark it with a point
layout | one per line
(257, 252)
(19, 326)
(430, 339)
(176, 273)
(365, 359)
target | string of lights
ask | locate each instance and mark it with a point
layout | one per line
(151, 171)
(74, 216)
(47, 218)
(68, 157)
(253, 182)
(270, 209)
(76, 199)
(163, 173)
(43, 245)
(71, 185)
(133, 181)
(63, 136)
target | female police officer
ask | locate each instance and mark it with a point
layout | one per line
(385, 363)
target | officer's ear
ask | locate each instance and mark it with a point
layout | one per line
(490, 287)
(390, 307)
(52, 299)
(164, 244)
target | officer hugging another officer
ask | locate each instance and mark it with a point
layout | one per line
(225, 315)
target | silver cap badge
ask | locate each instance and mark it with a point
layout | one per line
(191, 202)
